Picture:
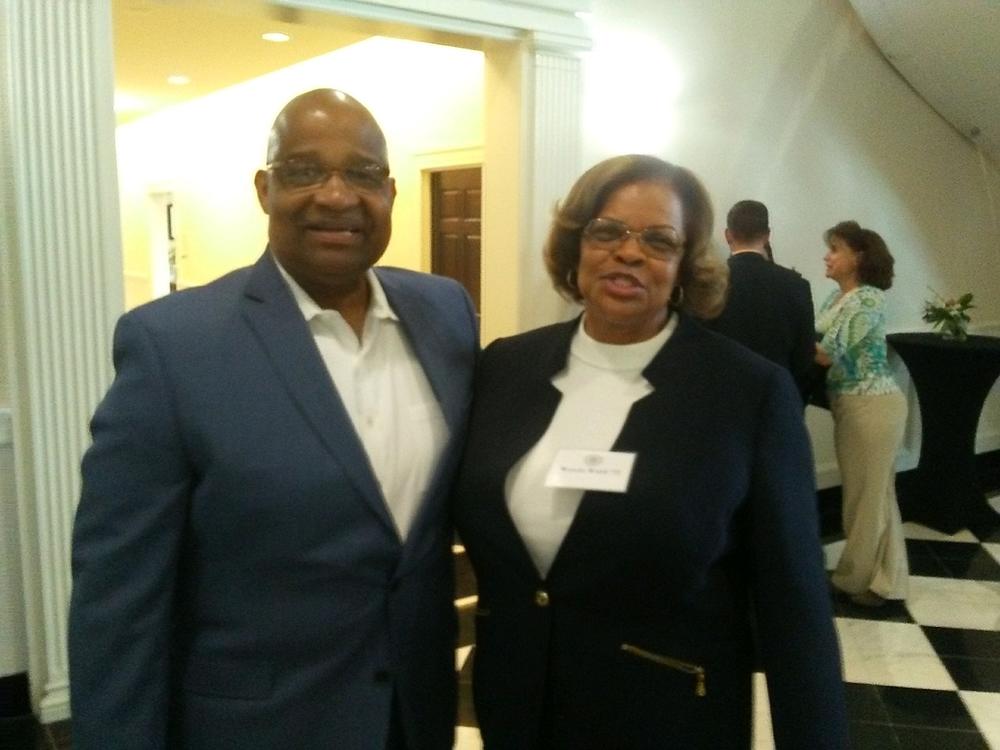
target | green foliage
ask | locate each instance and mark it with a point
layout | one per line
(950, 316)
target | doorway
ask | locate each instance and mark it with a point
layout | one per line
(456, 227)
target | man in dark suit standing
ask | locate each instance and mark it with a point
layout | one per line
(769, 309)
(262, 551)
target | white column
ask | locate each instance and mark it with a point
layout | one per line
(63, 271)
(555, 148)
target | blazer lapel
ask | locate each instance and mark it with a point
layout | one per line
(537, 405)
(453, 393)
(271, 312)
(666, 367)
(428, 346)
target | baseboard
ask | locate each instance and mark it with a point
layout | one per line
(54, 705)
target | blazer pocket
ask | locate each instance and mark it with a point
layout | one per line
(227, 678)
(669, 662)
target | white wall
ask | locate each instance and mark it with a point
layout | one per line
(790, 102)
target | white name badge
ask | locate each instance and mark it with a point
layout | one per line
(608, 471)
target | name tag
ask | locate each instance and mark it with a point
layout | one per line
(608, 471)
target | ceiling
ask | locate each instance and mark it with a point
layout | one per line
(214, 43)
(946, 49)
(949, 52)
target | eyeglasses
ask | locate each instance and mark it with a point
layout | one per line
(661, 243)
(298, 174)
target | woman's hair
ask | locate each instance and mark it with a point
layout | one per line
(874, 259)
(702, 276)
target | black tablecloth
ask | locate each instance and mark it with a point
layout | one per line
(952, 380)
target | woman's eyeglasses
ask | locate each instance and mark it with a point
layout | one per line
(661, 243)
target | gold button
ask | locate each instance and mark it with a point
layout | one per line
(542, 598)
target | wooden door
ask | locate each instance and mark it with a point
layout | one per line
(456, 198)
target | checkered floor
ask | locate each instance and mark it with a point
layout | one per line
(923, 674)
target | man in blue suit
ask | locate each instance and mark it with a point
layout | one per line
(262, 550)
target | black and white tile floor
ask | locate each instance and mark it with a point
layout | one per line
(923, 674)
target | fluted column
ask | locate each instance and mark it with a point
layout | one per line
(555, 104)
(64, 274)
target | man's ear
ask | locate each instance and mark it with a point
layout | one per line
(729, 237)
(262, 182)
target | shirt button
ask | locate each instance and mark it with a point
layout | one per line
(542, 598)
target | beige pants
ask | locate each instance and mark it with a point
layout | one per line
(867, 433)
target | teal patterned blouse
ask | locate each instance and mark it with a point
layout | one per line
(853, 330)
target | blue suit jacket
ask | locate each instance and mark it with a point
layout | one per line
(238, 580)
(717, 532)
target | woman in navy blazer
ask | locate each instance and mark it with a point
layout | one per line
(632, 615)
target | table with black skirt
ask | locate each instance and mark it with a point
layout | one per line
(952, 379)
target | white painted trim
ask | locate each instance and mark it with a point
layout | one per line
(551, 24)
(54, 706)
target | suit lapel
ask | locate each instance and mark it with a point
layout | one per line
(278, 324)
(452, 391)
(425, 339)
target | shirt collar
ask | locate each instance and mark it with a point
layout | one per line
(378, 303)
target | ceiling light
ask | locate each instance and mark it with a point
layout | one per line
(178, 80)
(275, 36)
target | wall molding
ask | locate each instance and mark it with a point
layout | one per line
(554, 24)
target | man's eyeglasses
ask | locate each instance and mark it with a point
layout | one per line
(298, 174)
(661, 243)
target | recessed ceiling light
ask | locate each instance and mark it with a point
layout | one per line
(178, 80)
(275, 36)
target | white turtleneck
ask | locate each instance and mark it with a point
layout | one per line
(599, 385)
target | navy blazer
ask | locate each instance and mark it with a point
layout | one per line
(238, 579)
(653, 595)
(770, 310)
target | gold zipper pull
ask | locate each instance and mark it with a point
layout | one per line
(699, 683)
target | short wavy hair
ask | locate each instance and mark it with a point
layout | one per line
(875, 262)
(702, 276)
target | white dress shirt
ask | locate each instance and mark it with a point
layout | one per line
(599, 386)
(386, 394)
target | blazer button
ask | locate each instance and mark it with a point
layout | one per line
(542, 598)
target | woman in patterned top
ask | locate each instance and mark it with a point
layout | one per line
(869, 414)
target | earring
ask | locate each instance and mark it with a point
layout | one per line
(571, 279)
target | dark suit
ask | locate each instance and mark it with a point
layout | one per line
(770, 311)
(238, 579)
(718, 527)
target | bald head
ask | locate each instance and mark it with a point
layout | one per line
(328, 196)
(317, 108)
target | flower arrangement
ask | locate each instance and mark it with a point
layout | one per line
(950, 316)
